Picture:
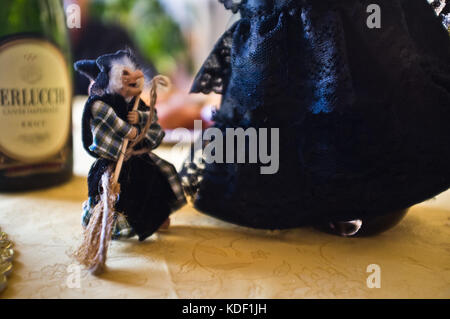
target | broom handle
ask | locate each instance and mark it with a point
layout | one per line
(125, 142)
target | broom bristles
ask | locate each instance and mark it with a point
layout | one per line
(97, 235)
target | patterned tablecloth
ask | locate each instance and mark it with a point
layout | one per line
(200, 257)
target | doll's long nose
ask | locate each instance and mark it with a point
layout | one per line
(134, 76)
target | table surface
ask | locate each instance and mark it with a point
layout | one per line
(201, 257)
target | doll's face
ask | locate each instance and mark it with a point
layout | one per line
(131, 81)
(125, 78)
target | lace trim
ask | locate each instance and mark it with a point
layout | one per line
(215, 72)
(232, 5)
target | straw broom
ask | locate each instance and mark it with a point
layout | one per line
(96, 236)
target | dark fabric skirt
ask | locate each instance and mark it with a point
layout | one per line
(364, 114)
(146, 197)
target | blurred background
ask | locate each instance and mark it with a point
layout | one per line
(170, 37)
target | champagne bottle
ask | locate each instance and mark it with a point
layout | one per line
(35, 95)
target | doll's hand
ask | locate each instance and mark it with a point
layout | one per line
(133, 134)
(133, 118)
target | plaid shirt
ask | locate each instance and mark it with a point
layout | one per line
(109, 131)
(108, 134)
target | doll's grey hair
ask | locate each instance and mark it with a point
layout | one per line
(116, 72)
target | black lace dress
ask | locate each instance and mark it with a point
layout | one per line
(364, 114)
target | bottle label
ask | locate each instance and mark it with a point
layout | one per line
(35, 103)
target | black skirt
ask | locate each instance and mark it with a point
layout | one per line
(363, 113)
(146, 197)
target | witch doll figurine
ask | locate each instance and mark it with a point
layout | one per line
(362, 108)
(150, 189)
